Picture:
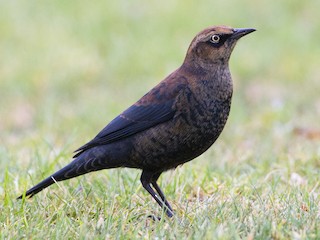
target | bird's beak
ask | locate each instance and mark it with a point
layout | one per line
(240, 32)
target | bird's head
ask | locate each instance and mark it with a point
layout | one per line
(214, 45)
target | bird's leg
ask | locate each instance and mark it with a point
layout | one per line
(157, 188)
(146, 179)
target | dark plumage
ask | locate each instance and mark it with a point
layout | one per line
(175, 122)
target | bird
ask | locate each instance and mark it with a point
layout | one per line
(173, 123)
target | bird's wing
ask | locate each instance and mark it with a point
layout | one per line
(154, 108)
(135, 119)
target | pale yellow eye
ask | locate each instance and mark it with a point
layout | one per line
(215, 38)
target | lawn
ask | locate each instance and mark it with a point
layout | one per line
(69, 67)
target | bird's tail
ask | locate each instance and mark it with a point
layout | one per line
(76, 168)
(56, 177)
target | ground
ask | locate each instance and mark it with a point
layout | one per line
(67, 68)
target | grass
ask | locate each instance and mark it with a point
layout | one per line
(68, 68)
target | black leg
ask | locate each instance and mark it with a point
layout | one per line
(157, 188)
(146, 179)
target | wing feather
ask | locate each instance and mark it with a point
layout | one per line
(135, 119)
(154, 108)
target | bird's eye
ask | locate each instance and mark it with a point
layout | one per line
(215, 38)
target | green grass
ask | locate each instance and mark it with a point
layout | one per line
(68, 67)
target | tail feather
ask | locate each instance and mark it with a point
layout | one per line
(37, 188)
(94, 160)
(63, 174)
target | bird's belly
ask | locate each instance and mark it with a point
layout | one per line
(176, 142)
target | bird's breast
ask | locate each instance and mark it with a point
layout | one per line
(201, 111)
(186, 136)
(205, 105)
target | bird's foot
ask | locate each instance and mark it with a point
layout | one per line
(154, 218)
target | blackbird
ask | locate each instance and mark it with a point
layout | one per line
(173, 123)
